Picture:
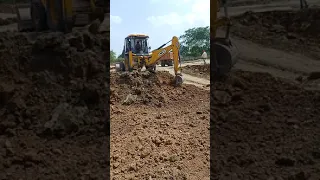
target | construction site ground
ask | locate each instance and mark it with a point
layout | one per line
(264, 116)
(158, 131)
(53, 103)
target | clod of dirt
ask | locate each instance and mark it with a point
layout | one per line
(65, 119)
(130, 99)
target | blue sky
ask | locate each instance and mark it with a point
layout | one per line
(160, 19)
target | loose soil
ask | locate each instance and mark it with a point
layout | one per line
(292, 31)
(264, 128)
(53, 106)
(202, 71)
(158, 131)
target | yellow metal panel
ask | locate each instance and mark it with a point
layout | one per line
(93, 5)
(67, 4)
(51, 9)
(44, 2)
(214, 7)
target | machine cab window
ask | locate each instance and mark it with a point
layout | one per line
(138, 44)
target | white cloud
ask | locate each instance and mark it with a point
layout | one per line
(115, 19)
(198, 15)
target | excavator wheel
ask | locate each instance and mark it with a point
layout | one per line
(226, 57)
(120, 67)
(178, 80)
(152, 68)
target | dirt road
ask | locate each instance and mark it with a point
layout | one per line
(189, 78)
(270, 50)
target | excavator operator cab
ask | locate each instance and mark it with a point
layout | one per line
(137, 43)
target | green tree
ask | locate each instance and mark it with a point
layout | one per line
(120, 56)
(194, 41)
(113, 56)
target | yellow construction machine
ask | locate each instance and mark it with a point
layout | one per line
(59, 15)
(223, 52)
(137, 54)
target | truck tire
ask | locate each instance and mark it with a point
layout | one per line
(122, 67)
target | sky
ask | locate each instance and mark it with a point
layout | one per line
(160, 19)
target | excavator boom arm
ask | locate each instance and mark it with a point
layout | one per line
(158, 53)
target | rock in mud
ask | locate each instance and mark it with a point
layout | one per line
(130, 99)
(65, 119)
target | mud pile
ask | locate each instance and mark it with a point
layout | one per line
(296, 31)
(53, 93)
(198, 70)
(264, 128)
(141, 88)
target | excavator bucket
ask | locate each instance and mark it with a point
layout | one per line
(24, 17)
(225, 56)
(178, 80)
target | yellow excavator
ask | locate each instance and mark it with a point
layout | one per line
(223, 53)
(137, 54)
(60, 15)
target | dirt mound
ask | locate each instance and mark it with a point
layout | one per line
(141, 88)
(164, 133)
(296, 31)
(52, 105)
(264, 129)
(202, 71)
